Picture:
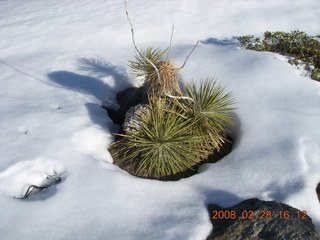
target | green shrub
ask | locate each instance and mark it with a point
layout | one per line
(210, 110)
(163, 146)
(316, 74)
(296, 44)
(179, 131)
(178, 134)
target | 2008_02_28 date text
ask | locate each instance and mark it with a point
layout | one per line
(263, 214)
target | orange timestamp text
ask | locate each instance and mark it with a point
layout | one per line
(263, 214)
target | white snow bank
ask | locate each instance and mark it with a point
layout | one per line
(60, 60)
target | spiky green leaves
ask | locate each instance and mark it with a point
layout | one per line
(210, 109)
(159, 79)
(177, 134)
(141, 66)
(164, 145)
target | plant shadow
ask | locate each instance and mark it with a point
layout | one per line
(102, 80)
(100, 68)
(94, 82)
(80, 83)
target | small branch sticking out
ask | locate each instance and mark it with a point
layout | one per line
(178, 97)
(134, 43)
(168, 50)
(32, 188)
(189, 54)
(172, 30)
(132, 32)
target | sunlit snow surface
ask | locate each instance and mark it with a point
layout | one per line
(60, 60)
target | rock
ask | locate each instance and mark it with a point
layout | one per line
(133, 118)
(318, 191)
(257, 220)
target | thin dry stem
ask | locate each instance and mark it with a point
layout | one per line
(189, 54)
(172, 30)
(179, 97)
(134, 43)
(152, 64)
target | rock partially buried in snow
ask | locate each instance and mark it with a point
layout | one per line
(134, 117)
(257, 220)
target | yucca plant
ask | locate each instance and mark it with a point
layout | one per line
(177, 132)
(163, 146)
(210, 110)
(140, 65)
(159, 79)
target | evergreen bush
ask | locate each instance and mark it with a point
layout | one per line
(296, 44)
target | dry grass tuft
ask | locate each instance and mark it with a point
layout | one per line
(169, 79)
(167, 82)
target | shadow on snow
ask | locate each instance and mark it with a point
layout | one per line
(102, 80)
(233, 41)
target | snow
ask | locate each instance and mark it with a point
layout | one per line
(60, 60)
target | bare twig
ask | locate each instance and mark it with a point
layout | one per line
(189, 54)
(152, 64)
(172, 30)
(134, 43)
(179, 97)
(31, 188)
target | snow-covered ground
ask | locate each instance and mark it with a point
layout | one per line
(60, 60)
